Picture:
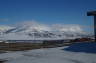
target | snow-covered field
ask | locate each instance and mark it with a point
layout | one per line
(48, 55)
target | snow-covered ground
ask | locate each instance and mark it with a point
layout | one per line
(48, 55)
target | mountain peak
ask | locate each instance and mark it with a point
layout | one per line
(37, 30)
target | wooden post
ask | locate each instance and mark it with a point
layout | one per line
(93, 13)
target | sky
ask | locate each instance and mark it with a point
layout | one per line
(47, 11)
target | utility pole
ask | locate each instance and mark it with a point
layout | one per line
(93, 13)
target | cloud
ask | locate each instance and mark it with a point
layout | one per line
(53, 27)
(68, 27)
(2, 19)
(34, 25)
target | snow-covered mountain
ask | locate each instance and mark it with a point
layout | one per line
(33, 30)
(4, 28)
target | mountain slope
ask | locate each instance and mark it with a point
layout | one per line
(33, 30)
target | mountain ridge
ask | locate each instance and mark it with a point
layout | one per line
(33, 30)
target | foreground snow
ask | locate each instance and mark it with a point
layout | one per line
(48, 55)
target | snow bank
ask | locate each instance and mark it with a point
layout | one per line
(48, 55)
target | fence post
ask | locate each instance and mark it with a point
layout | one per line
(93, 13)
